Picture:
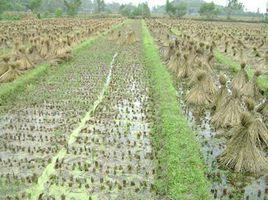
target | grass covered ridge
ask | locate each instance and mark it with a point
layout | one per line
(183, 172)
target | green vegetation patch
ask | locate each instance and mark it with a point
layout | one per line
(182, 173)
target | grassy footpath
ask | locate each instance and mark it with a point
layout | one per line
(9, 91)
(183, 173)
(235, 66)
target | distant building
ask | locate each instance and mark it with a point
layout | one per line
(267, 8)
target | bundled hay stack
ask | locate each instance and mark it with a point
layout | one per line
(243, 152)
(15, 51)
(251, 89)
(263, 109)
(119, 37)
(241, 47)
(226, 45)
(5, 66)
(257, 126)
(112, 35)
(33, 53)
(266, 58)
(229, 113)
(11, 74)
(170, 51)
(185, 71)
(256, 52)
(210, 61)
(24, 62)
(131, 38)
(174, 62)
(222, 94)
(241, 78)
(198, 68)
(45, 48)
(200, 94)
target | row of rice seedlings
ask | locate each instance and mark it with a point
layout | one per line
(112, 158)
(39, 124)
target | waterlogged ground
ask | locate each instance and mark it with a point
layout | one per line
(84, 131)
(225, 185)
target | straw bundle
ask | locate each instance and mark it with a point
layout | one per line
(199, 95)
(5, 66)
(11, 74)
(230, 112)
(222, 94)
(251, 89)
(243, 153)
(185, 70)
(241, 78)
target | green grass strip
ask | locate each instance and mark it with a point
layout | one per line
(9, 91)
(183, 176)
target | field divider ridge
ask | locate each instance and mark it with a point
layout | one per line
(182, 172)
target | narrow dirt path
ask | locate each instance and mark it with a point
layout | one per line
(105, 152)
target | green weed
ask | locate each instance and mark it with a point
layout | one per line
(183, 176)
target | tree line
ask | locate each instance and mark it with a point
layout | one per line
(72, 7)
(208, 10)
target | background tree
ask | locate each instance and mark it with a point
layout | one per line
(58, 12)
(209, 10)
(145, 10)
(100, 5)
(233, 5)
(142, 10)
(34, 5)
(180, 9)
(169, 7)
(125, 10)
(4, 5)
(72, 6)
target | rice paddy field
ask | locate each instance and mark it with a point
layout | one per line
(124, 109)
